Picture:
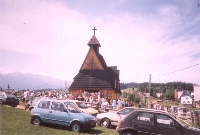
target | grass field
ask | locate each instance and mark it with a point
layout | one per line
(14, 121)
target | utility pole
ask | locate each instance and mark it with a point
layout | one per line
(149, 89)
(145, 97)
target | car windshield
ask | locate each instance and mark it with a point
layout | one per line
(173, 116)
(81, 105)
(72, 107)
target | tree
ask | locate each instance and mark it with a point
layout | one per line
(124, 94)
(169, 94)
(136, 98)
(130, 97)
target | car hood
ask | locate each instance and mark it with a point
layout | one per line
(89, 110)
(192, 131)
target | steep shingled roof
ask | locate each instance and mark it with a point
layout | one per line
(94, 41)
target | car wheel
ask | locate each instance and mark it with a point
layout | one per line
(105, 123)
(1, 102)
(128, 132)
(36, 121)
(76, 127)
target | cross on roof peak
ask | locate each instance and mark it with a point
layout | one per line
(94, 30)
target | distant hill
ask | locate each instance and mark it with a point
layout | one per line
(22, 81)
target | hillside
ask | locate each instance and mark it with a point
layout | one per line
(21, 81)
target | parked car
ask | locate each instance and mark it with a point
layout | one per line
(85, 108)
(149, 121)
(183, 111)
(111, 118)
(8, 99)
(61, 112)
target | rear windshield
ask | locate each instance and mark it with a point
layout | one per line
(10, 95)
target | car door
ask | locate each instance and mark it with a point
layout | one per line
(166, 125)
(57, 115)
(144, 124)
(43, 109)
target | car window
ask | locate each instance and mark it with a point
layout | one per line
(35, 100)
(145, 117)
(81, 105)
(57, 106)
(131, 109)
(72, 107)
(44, 104)
(164, 120)
(125, 111)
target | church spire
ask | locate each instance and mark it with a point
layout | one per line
(94, 43)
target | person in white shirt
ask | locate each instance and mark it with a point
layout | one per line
(91, 99)
(31, 96)
(24, 95)
(106, 104)
(119, 104)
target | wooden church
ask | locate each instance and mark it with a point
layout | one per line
(95, 76)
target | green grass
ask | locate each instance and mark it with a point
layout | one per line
(168, 104)
(15, 121)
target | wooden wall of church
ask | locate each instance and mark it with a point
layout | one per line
(107, 93)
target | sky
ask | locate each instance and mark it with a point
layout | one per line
(49, 37)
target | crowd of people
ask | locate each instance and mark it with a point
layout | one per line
(156, 106)
(91, 98)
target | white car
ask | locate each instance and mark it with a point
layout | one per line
(183, 111)
(111, 118)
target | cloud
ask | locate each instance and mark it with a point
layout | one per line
(53, 37)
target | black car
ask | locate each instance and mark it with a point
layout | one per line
(8, 99)
(153, 122)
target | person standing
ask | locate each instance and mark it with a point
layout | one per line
(108, 100)
(119, 104)
(24, 96)
(140, 104)
(106, 104)
(31, 96)
(114, 104)
(27, 94)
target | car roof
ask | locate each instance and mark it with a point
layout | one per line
(74, 100)
(151, 110)
(54, 99)
(130, 107)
